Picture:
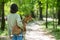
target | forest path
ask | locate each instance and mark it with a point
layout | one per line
(34, 32)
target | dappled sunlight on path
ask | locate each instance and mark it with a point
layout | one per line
(36, 32)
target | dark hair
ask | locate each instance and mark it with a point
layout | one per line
(13, 8)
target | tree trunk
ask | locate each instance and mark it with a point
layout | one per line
(3, 20)
(59, 17)
(32, 14)
(58, 6)
(46, 13)
(32, 11)
(41, 16)
(40, 10)
(0, 11)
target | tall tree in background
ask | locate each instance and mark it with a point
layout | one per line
(0, 11)
(46, 13)
(58, 6)
(2, 2)
(40, 10)
(32, 11)
(3, 20)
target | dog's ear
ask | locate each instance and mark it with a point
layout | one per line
(29, 18)
(26, 19)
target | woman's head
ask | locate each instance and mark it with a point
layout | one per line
(13, 8)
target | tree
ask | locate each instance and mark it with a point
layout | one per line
(3, 20)
(2, 2)
(46, 13)
(58, 6)
(32, 14)
(32, 11)
(40, 9)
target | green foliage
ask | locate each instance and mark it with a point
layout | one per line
(5, 1)
(26, 6)
(55, 32)
(7, 8)
(3, 33)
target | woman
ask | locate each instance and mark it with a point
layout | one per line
(12, 18)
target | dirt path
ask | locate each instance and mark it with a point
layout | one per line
(35, 32)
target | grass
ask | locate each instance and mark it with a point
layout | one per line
(54, 32)
(5, 32)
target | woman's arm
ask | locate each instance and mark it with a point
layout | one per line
(19, 22)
